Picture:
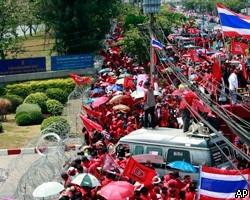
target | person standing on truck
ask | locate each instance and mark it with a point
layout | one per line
(149, 105)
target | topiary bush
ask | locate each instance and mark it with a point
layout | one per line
(24, 119)
(56, 124)
(54, 107)
(36, 116)
(1, 127)
(39, 99)
(57, 94)
(14, 100)
(27, 107)
(33, 111)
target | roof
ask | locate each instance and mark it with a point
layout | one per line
(170, 136)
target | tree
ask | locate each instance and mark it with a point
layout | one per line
(79, 26)
(8, 25)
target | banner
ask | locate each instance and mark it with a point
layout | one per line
(141, 78)
(80, 61)
(22, 66)
(239, 48)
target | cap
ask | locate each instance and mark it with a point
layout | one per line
(156, 180)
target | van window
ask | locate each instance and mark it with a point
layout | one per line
(154, 151)
(138, 150)
(177, 154)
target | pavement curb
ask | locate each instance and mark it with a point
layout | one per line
(16, 151)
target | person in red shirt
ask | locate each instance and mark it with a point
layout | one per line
(191, 193)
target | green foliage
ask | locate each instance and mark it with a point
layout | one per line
(33, 111)
(72, 16)
(1, 127)
(57, 94)
(133, 19)
(27, 107)
(29, 87)
(8, 23)
(14, 100)
(39, 99)
(23, 119)
(57, 125)
(36, 116)
(54, 107)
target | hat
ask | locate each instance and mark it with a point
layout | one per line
(146, 83)
(156, 180)
(138, 186)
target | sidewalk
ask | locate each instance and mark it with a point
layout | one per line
(6, 152)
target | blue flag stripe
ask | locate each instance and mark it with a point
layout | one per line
(233, 21)
(222, 185)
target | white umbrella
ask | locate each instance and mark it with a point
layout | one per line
(140, 94)
(120, 81)
(48, 189)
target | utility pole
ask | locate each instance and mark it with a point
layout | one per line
(151, 7)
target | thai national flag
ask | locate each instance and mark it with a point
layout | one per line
(156, 44)
(221, 184)
(233, 24)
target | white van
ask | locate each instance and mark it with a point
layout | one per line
(174, 145)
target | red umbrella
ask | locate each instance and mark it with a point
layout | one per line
(117, 190)
(99, 101)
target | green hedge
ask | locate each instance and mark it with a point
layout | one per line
(57, 94)
(54, 107)
(14, 100)
(23, 119)
(38, 98)
(26, 88)
(56, 124)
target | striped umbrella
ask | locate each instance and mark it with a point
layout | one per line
(86, 179)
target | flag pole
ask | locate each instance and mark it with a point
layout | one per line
(151, 21)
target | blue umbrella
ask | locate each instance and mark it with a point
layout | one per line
(182, 165)
(104, 70)
(97, 90)
(115, 88)
(90, 100)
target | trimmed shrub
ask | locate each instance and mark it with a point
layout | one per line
(54, 107)
(33, 111)
(1, 127)
(36, 116)
(57, 94)
(24, 120)
(56, 124)
(39, 99)
(14, 100)
(27, 107)
(29, 87)
(5, 107)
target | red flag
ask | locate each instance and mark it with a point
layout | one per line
(244, 71)
(90, 125)
(86, 80)
(139, 172)
(239, 48)
(194, 55)
(77, 79)
(91, 113)
(109, 163)
(128, 82)
(217, 74)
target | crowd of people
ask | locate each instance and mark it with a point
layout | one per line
(122, 112)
